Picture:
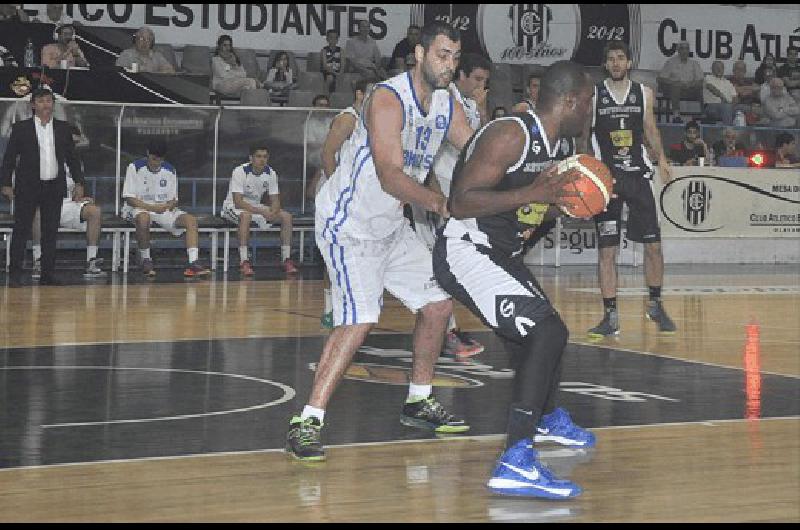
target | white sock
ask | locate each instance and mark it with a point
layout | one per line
(145, 253)
(312, 412)
(418, 392)
(37, 252)
(242, 254)
(285, 252)
(451, 325)
(91, 253)
(193, 254)
(328, 301)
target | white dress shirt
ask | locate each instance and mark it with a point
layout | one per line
(48, 166)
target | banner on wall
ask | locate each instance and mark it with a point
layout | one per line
(544, 33)
(703, 202)
(296, 27)
(507, 33)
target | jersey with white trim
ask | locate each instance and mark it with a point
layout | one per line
(503, 232)
(251, 186)
(353, 202)
(618, 130)
(445, 161)
(153, 188)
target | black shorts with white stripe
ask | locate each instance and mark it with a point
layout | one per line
(501, 291)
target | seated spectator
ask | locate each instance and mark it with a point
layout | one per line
(229, 77)
(719, 95)
(763, 89)
(331, 59)
(532, 93)
(767, 62)
(790, 73)
(681, 78)
(781, 108)
(404, 47)
(755, 116)
(362, 54)
(54, 14)
(6, 57)
(321, 101)
(786, 151)
(691, 149)
(746, 89)
(64, 52)
(13, 12)
(280, 79)
(150, 193)
(499, 112)
(729, 144)
(143, 55)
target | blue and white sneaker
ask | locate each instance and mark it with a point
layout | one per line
(520, 474)
(558, 427)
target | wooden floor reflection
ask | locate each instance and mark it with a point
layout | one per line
(729, 471)
(708, 471)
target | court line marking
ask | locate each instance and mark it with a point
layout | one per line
(600, 344)
(288, 394)
(651, 354)
(479, 437)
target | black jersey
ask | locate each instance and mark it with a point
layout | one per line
(618, 130)
(503, 232)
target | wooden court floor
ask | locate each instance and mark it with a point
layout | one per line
(741, 320)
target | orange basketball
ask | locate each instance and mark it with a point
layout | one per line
(595, 183)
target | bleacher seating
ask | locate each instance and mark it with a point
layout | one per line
(196, 60)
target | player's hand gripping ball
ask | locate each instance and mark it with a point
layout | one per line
(595, 185)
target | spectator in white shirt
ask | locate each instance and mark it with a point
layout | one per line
(681, 78)
(229, 76)
(719, 95)
(363, 55)
(781, 108)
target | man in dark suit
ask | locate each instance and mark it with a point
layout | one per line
(37, 151)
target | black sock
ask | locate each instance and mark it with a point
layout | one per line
(655, 293)
(610, 304)
(536, 377)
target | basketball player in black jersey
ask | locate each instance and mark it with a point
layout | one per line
(502, 186)
(621, 124)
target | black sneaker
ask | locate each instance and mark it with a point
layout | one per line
(430, 414)
(303, 439)
(657, 313)
(607, 327)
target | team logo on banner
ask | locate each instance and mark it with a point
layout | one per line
(697, 201)
(530, 24)
(525, 33)
(742, 204)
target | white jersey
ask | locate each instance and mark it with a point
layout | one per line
(445, 161)
(352, 202)
(152, 188)
(251, 186)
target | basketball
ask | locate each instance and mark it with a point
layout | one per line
(595, 183)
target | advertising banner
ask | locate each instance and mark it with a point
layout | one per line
(295, 27)
(719, 202)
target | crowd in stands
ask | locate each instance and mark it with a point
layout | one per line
(768, 98)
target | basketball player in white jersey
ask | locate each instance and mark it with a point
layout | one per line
(342, 127)
(369, 246)
(245, 205)
(470, 92)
